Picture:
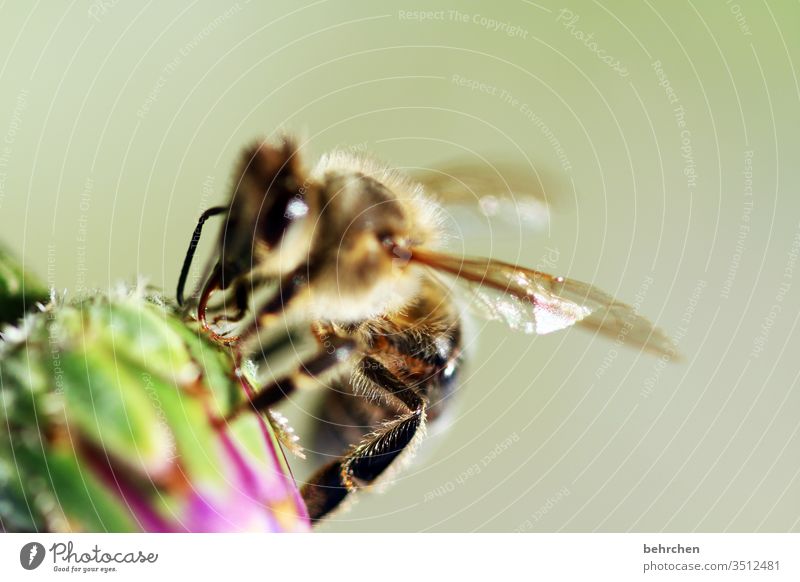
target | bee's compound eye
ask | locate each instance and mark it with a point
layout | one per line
(296, 208)
(286, 207)
(273, 190)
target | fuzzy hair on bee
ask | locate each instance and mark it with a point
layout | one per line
(348, 250)
(367, 209)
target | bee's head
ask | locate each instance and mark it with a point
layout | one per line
(344, 232)
(269, 219)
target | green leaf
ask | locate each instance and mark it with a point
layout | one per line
(19, 291)
(113, 411)
(107, 401)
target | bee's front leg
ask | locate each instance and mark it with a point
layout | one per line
(243, 287)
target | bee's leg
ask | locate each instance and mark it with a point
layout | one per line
(213, 285)
(242, 287)
(337, 353)
(241, 298)
(288, 289)
(377, 451)
(344, 418)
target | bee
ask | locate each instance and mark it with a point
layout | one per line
(350, 250)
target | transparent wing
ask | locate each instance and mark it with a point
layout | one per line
(497, 190)
(535, 302)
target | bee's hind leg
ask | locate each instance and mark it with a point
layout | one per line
(367, 461)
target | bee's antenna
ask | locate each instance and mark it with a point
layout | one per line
(187, 261)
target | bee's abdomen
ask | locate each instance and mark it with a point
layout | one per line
(422, 346)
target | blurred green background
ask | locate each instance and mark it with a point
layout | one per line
(666, 134)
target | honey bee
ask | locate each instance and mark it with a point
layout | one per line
(349, 250)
